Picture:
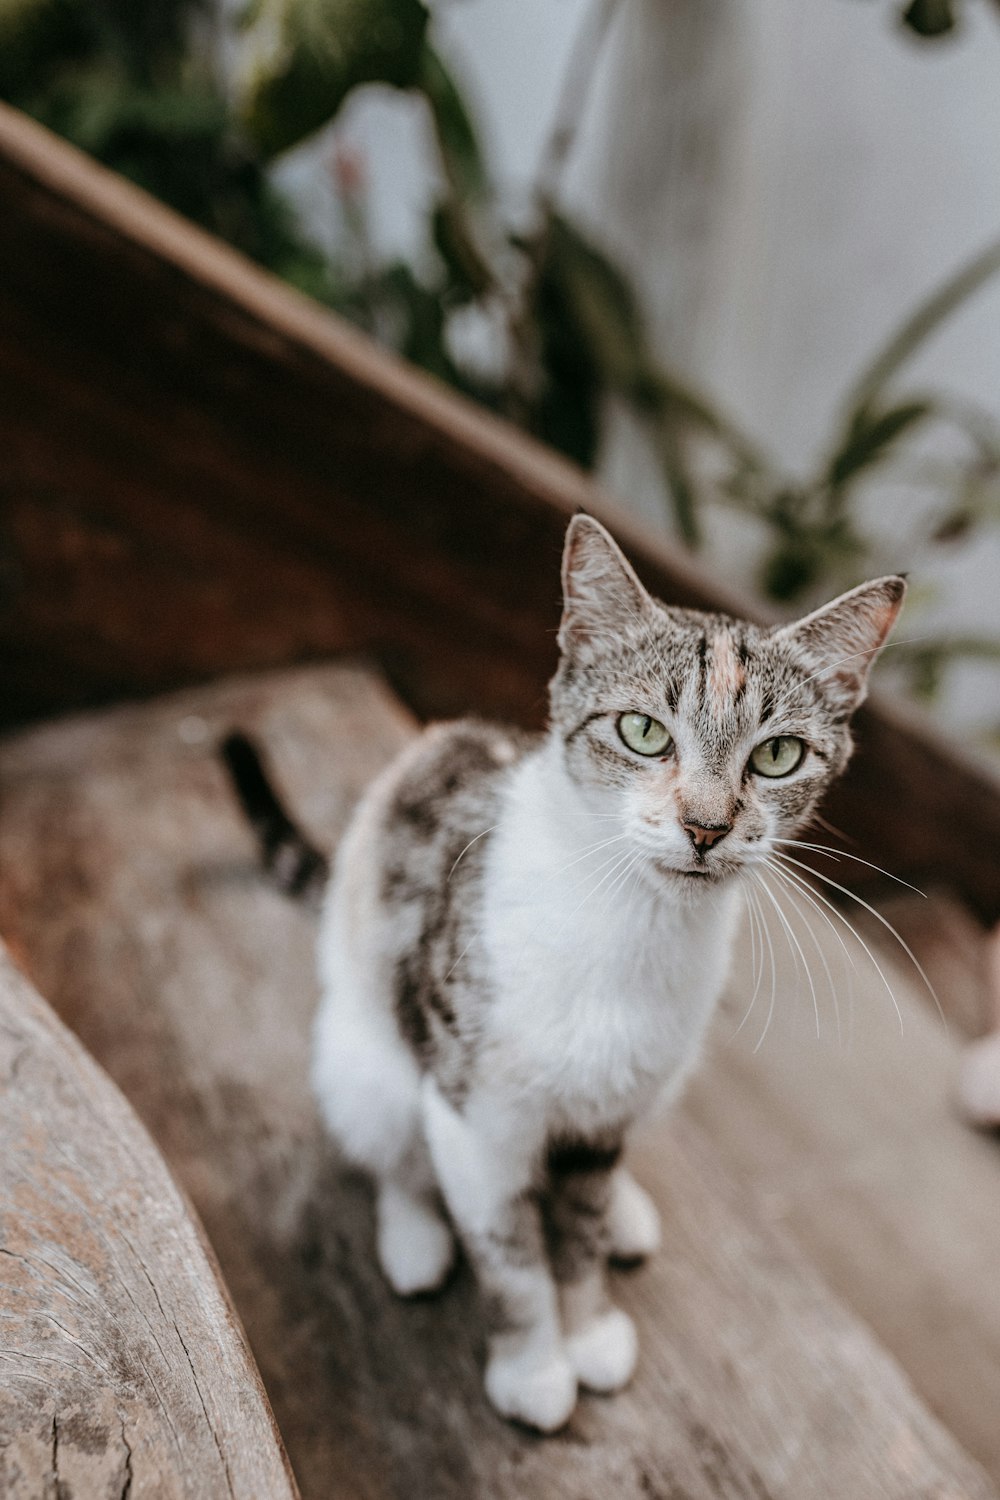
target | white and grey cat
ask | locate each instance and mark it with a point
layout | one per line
(524, 939)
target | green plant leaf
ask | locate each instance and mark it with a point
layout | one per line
(111, 117)
(150, 39)
(470, 274)
(811, 542)
(458, 220)
(978, 424)
(790, 568)
(458, 142)
(681, 484)
(977, 501)
(609, 330)
(29, 23)
(930, 18)
(664, 395)
(925, 662)
(870, 435)
(602, 304)
(36, 38)
(921, 324)
(556, 384)
(314, 52)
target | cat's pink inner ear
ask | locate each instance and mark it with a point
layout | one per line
(601, 594)
(844, 637)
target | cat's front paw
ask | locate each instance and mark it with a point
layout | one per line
(539, 1391)
(416, 1247)
(604, 1351)
(633, 1221)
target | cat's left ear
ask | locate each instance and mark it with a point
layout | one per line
(602, 596)
(844, 637)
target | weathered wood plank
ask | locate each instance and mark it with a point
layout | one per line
(203, 471)
(123, 1371)
(857, 1149)
(128, 879)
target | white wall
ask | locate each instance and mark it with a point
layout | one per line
(784, 179)
(854, 168)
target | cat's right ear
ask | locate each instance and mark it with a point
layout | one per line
(601, 594)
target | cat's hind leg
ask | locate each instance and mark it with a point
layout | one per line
(416, 1248)
(368, 1087)
(633, 1220)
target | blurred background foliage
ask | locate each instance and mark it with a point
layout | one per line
(141, 85)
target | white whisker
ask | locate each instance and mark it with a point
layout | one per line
(798, 947)
(757, 973)
(468, 847)
(643, 625)
(843, 854)
(751, 923)
(811, 896)
(765, 928)
(856, 934)
(908, 640)
(788, 942)
(782, 876)
(590, 849)
(757, 935)
(888, 927)
(619, 861)
(618, 884)
(601, 844)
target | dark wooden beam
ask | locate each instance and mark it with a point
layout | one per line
(200, 471)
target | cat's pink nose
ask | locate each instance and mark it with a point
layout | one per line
(704, 835)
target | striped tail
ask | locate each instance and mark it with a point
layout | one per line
(296, 865)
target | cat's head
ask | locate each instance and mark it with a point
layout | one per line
(708, 737)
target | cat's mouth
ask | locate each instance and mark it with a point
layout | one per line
(696, 873)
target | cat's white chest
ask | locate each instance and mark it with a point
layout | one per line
(601, 996)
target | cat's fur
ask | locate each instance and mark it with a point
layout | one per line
(523, 943)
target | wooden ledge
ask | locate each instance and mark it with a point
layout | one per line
(123, 1368)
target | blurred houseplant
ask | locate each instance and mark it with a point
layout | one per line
(138, 84)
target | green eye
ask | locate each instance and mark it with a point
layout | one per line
(778, 757)
(644, 735)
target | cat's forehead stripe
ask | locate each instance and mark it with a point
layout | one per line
(726, 674)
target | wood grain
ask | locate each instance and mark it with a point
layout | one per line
(128, 880)
(203, 471)
(854, 1143)
(123, 1370)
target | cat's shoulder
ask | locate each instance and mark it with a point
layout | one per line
(455, 762)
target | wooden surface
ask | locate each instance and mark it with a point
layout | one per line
(202, 471)
(856, 1149)
(128, 883)
(123, 1372)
